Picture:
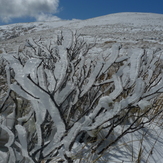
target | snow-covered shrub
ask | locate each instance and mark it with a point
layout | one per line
(81, 105)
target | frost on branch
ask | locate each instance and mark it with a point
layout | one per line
(75, 101)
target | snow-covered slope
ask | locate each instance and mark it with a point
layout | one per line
(143, 30)
(120, 27)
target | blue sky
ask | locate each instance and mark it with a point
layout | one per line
(83, 9)
(17, 11)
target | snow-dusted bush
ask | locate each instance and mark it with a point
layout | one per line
(81, 104)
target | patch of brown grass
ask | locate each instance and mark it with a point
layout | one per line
(109, 42)
(1, 51)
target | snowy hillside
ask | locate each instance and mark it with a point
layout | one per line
(122, 27)
(82, 91)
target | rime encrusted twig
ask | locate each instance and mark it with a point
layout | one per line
(76, 96)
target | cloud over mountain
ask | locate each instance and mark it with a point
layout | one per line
(10, 9)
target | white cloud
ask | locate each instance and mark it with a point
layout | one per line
(20, 8)
(47, 17)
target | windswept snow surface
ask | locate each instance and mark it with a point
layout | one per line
(128, 29)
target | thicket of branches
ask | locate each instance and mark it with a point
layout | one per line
(60, 102)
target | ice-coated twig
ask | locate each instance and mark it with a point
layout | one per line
(136, 55)
(92, 78)
(77, 100)
(118, 87)
(112, 57)
(138, 91)
(11, 137)
(22, 135)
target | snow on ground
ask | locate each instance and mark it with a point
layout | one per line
(121, 27)
(129, 29)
